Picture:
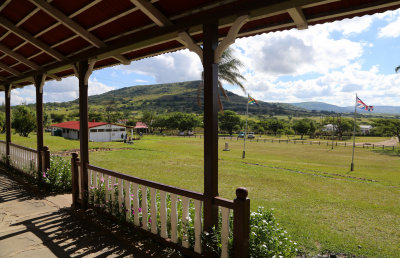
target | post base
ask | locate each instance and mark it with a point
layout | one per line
(352, 167)
(244, 154)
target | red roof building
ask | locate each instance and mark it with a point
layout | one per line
(74, 125)
(141, 125)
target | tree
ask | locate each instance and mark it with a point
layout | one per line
(228, 121)
(2, 122)
(24, 120)
(182, 121)
(397, 68)
(274, 125)
(304, 126)
(228, 71)
(148, 117)
(390, 127)
(341, 125)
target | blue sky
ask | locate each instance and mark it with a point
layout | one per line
(328, 63)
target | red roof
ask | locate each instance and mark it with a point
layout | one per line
(75, 125)
(140, 125)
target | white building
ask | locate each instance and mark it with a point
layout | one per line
(365, 129)
(328, 128)
(98, 131)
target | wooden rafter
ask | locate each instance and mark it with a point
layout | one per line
(18, 57)
(72, 25)
(298, 17)
(153, 13)
(4, 5)
(9, 69)
(26, 36)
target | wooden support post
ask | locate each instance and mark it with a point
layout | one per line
(84, 69)
(8, 121)
(39, 82)
(241, 223)
(210, 32)
(75, 179)
(45, 158)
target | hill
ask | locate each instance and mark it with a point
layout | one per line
(320, 106)
(172, 97)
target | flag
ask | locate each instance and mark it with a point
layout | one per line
(363, 106)
(252, 101)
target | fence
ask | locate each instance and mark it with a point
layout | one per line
(168, 214)
(24, 159)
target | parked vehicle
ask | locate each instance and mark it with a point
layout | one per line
(250, 135)
(241, 135)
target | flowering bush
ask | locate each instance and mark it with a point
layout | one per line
(267, 238)
(58, 177)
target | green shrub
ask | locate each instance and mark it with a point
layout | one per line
(267, 239)
(58, 177)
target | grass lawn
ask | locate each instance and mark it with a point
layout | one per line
(324, 206)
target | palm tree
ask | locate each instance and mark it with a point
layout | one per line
(397, 68)
(228, 71)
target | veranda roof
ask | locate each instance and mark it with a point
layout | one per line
(38, 36)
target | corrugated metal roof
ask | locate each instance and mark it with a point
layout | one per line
(38, 36)
(75, 125)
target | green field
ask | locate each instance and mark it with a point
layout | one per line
(324, 206)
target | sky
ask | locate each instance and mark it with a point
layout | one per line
(328, 63)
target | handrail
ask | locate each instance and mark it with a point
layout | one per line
(159, 186)
(219, 201)
(23, 147)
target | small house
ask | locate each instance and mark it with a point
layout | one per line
(141, 127)
(365, 129)
(98, 131)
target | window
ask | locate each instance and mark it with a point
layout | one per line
(108, 130)
(115, 130)
(122, 129)
(93, 130)
(100, 130)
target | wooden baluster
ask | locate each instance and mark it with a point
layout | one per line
(136, 204)
(225, 232)
(90, 175)
(174, 218)
(107, 192)
(128, 206)
(163, 214)
(153, 210)
(197, 226)
(145, 224)
(185, 219)
(96, 187)
(120, 194)
(113, 201)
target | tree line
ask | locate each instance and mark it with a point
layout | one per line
(24, 122)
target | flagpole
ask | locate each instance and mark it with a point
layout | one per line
(354, 135)
(245, 130)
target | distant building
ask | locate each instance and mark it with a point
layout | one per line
(365, 129)
(98, 131)
(328, 128)
(141, 127)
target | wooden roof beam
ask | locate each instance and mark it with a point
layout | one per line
(72, 25)
(26, 36)
(298, 17)
(18, 57)
(9, 69)
(4, 5)
(153, 13)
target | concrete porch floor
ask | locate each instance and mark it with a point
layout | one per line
(44, 226)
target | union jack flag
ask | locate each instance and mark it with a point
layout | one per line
(363, 106)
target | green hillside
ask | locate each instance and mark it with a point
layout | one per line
(172, 97)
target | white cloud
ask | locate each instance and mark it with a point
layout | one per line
(173, 67)
(392, 30)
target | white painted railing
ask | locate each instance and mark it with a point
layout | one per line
(24, 159)
(3, 146)
(172, 213)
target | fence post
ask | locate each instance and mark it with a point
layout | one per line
(241, 223)
(75, 179)
(45, 158)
